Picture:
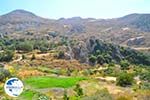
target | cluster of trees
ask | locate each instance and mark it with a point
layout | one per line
(103, 52)
(25, 45)
(8, 47)
(100, 58)
(28, 46)
(145, 76)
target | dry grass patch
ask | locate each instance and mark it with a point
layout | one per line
(28, 73)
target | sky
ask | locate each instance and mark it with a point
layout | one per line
(71, 8)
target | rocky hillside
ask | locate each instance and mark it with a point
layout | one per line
(124, 30)
(95, 51)
(21, 20)
(140, 21)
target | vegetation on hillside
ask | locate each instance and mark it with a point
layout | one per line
(103, 52)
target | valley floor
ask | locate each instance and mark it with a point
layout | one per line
(48, 78)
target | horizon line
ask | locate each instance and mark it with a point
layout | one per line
(69, 17)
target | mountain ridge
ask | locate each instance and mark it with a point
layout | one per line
(116, 30)
(29, 12)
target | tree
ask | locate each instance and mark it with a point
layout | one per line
(23, 56)
(78, 90)
(100, 59)
(69, 71)
(124, 64)
(92, 59)
(107, 58)
(25, 46)
(145, 76)
(124, 79)
(61, 55)
(4, 74)
(33, 57)
(43, 49)
(7, 55)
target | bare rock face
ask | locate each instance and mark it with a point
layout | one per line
(136, 41)
(81, 52)
(68, 56)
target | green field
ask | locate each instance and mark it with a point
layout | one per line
(49, 82)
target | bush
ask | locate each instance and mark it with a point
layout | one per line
(61, 55)
(78, 90)
(4, 74)
(23, 56)
(145, 86)
(100, 59)
(25, 46)
(6, 55)
(109, 71)
(33, 57)
(112, 64)
(43, 49)
(124, 64)
(125, 79)
(87, 72)
(43, 97)
(92, 59)
(145, 76)
(69, 71)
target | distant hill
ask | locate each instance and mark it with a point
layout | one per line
(123, 31)
(141, 21)
(20, 20)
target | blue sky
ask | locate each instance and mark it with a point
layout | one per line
(83, 8)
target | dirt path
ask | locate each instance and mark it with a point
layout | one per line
(107, 78)
(142, 48)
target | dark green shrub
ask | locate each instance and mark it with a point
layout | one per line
(4, 74)
(92, 59)
(145, 86)
(33, 57)
(145, 76)
(124, 64)
(23, 57)
(6, 55)
(125, 79)
(78, 90)
(43, 49)
(25, 46)
(100, 59)
(61, 55)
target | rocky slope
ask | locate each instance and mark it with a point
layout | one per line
(117, 30)
(102, 52)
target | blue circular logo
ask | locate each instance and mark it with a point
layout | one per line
(13, 87)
